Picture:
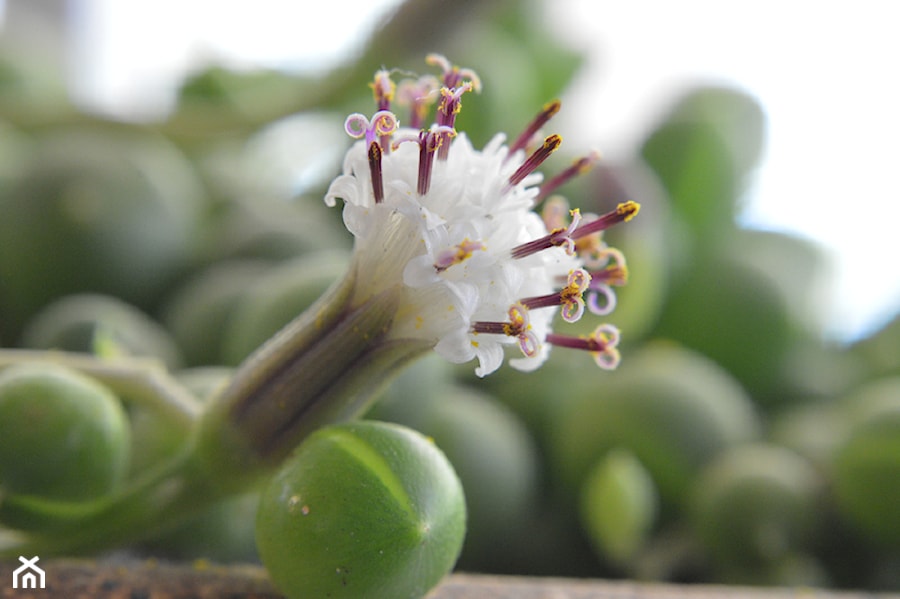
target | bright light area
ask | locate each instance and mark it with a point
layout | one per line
(824, 71)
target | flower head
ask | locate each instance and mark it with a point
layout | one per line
(477, 268)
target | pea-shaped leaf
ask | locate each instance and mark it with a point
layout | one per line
(866, 464)
(703, 152)
(89, 322)
(95, 211)
(618, 506)
(755, 506)
(63, 436)
(671, 407)
(363, 509)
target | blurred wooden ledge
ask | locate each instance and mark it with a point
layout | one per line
(148, 579)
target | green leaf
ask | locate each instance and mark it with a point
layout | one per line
(703, 152)
(619, 505)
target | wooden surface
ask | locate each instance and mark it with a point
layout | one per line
(73, 579)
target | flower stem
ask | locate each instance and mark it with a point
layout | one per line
(322, 368)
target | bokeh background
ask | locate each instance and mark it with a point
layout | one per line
(161, 172)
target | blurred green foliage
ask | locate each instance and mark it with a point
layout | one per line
(734, 444)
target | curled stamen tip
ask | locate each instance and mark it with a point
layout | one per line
(438, 60)
(573, 309)
(606, 339)
(579, 279)
(529, 344)
(608, 359)
(385, 122)
(606, 335)
(453, 75)
(609, 297)
(628, 209)
(571, 295)
(356, 125)
(382, 87)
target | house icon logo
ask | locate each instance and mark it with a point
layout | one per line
(28, 575)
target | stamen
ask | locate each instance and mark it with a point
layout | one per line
(579, 167)
(557, 237)
(550, 145)
(602, 345)
(603, 290)
(451, 104)
(375, 171)
(459, 253)
(615, 271)
(419, 94)
(383, 89)
(570, 297)
(550, 109)
(429, 141)
(519, 326)
(452, 74)
(624, 212)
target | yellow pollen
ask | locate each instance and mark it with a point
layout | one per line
(551, 108)
(629, 209)
(568, 292)
(552, 142)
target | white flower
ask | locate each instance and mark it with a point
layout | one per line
(455, 228)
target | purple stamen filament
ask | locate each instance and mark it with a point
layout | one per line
(550, 109)
(550, 145)
(579, 167)
(557, 237)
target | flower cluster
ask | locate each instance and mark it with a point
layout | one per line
(456, 228)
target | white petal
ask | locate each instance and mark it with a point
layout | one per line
(490, 357)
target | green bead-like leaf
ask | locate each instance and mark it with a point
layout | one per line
(618, 505)
(703, 152)
(865, 467)
(63, 436)
(364, 509)
(755, 505)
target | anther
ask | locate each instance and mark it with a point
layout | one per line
(624, 212)
(383, 89)
(550, 145)
(451, 104)
(550, 109)
(375, 171)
